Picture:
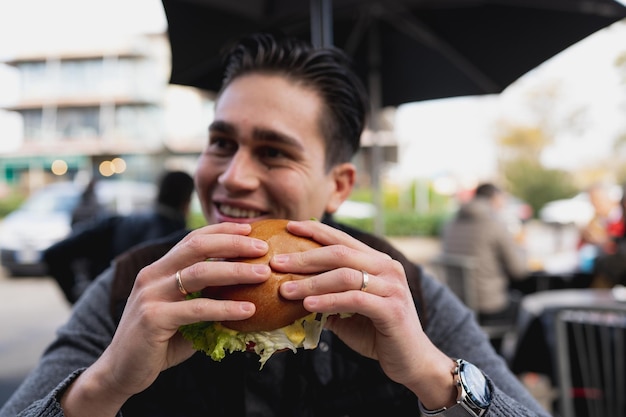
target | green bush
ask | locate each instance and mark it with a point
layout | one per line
(362, 224)
(10, 202)
(536, 184)
(404, 223)
(414, 224)
(195, 220)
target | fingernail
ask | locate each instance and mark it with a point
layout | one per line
(289, 286)
(246, 307)
(260, 269)
(259, 244)
(280, 259)
(312, 302)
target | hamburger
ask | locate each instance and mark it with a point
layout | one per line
(277, 324)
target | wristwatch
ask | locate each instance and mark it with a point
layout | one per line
(474, 394)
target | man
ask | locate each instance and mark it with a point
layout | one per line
(88, 207)
(605, 238)
(287, 121)
(479, 232)
(606, 225)
(75, 261)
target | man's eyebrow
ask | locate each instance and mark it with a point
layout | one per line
(223, 127)
(258, 134)
(268, 135)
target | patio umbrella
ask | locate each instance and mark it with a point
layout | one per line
(414, 49)
(404, 50)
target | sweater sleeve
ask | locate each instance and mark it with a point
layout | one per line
(453, 329)
(77, 345)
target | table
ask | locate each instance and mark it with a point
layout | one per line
(533, 350)
(540, 280)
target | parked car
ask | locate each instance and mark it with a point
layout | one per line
(45, 218)
(577, 210)
(356, 210)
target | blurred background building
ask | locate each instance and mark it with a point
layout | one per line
(104, 109)
(108, 109)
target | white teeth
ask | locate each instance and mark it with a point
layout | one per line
(238, 212)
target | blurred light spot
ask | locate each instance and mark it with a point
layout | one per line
(59, 167)
(106, 168)
(118, 165)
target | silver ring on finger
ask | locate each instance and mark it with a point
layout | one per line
(179, 283)
(365, 282)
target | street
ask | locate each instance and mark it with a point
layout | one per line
(30, 311)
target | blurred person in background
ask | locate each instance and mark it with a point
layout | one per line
(598, 237)
(609, 267)
(620, 241)
(478, 231)
(75, 261)
(88, 207)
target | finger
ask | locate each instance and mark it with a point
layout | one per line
(383, 311)
(214, 273)
(339, 280)
(227, 241)
(327, 235)
(359, 302)
(205, 309)
(328, 258)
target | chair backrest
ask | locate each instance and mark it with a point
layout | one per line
(591, 362)
(456, 271)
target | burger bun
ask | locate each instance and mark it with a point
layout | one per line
(272, 310)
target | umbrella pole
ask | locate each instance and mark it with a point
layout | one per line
(375, 89)
(322, 35)
(321, 23)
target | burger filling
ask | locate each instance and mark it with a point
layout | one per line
(216, 340)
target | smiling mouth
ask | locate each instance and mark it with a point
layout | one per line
(238, 212)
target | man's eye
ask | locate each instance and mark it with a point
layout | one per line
(219, 144)
(272, 153)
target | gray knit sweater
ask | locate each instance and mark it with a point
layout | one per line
(90, 329)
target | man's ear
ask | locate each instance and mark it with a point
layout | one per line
(343, 177)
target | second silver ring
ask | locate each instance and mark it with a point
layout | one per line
(366, 280)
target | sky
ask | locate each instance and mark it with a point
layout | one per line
(585, 71)
(587, 78)
(42, 23)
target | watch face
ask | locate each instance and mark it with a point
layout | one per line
(475, 384)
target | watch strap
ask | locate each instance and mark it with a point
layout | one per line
(457, 410)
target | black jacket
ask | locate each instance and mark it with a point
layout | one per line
(95, 244)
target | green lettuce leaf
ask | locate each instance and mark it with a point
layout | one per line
(216, 340)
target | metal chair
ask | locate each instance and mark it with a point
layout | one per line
(456, 272)
(591, 362)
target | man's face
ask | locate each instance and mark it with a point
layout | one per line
(265, 157)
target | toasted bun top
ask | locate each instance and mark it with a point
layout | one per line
(272, 310)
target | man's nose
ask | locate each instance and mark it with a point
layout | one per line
(240, 173)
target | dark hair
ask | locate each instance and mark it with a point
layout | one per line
(175, 189)
(326, 70)
(486, 190)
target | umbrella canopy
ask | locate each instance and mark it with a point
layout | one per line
(414, 49)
